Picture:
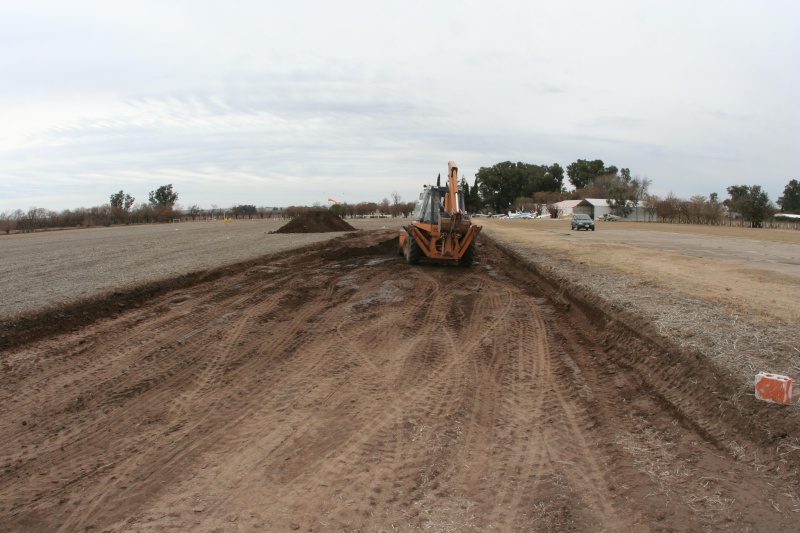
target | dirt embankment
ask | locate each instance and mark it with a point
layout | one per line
(337, 388)
(322, 221)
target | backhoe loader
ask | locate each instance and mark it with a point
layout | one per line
(441, 229)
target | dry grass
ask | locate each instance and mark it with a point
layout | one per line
(769, 235)
(653, 453)
(763, 295)
(742, 317)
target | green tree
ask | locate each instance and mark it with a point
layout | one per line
(582, 172)
(751, 203)
(621, 201)
(244, 211)
(122, 201)
(164, 197)
(500, 185)
(465, 191)
(473, 199)
(790, 201)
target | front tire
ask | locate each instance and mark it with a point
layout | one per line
(413, 252)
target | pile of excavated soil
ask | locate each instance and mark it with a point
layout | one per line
(322, 221)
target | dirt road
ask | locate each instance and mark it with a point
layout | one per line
(343, 390)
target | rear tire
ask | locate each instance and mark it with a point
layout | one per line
(468, 257)
(413, 252)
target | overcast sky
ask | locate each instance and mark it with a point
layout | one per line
(291, 102)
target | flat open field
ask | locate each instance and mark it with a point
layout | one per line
(335, 388)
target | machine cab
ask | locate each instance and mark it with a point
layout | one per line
(431, 204)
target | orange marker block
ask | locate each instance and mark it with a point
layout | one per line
(773, 388)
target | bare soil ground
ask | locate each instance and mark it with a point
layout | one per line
(335, 388)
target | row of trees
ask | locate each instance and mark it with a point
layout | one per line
(504, 186)
(162, 207)
(509, 185)
(790, 201)
(37, 218)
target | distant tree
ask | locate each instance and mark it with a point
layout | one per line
(363, 209)
(620, 200)
(650, 206)
(406, 208)
(34, 218)
(790, 201)
(464, 186)
(581, 172)
(500, 185)
(751, 203)
(713, 212)
(524, 203)
(553, 179)
(122, 201)
(163, 197)
(694, 208)
(336, 209)
(194, 211)
(244, 211)
(396, 207)
(668, 208)
(473, 199)
(7, 223)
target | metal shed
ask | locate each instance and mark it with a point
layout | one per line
(594, 207)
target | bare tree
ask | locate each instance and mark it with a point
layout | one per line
(7, 222)
(396, 199)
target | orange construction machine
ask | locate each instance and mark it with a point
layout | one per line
(441, 229)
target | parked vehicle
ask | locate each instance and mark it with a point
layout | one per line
(609, 217)
(580, 222)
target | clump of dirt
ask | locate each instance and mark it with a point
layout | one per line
(364, 245)
(322, 221)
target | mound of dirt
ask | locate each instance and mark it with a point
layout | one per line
(322, 221)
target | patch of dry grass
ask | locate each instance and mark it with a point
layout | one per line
(743, 318)
(763, 295)
(769, 235)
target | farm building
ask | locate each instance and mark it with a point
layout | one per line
(564, 208)
(594, 207)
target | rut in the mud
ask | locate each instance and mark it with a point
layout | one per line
(341, 389)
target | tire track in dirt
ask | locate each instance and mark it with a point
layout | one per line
(87, 436)
(343, 393)
(199, 373)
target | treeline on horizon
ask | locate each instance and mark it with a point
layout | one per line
(499, 188)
